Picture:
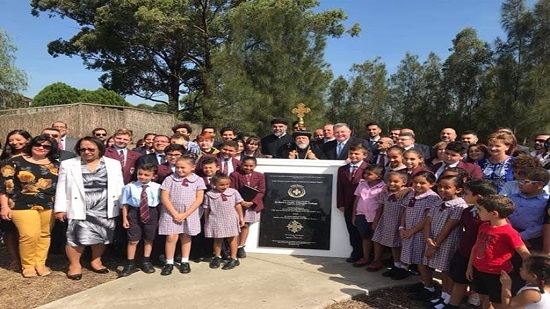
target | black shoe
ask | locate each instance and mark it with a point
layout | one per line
(102, 271)
(400, 274)
(390, 272)
(147, 268)
(167, 270)
(424, 295)
(231, 264)
(128, 270)
(415, 288)
(185, 268)
(241, 254)
(216, 262)
(75, 277)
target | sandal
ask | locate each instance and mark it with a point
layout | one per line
(29, 272)
(43, 270)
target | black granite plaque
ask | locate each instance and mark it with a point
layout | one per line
(297, 211)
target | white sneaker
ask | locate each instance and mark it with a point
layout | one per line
(474, 300)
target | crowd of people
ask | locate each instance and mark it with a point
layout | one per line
(472, 211)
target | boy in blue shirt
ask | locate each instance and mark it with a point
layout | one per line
(139, 201)
(530, 203)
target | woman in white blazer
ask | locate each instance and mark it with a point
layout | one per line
(87, 196)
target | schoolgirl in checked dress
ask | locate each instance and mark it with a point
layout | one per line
(223, 219)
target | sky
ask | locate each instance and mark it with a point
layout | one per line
(390, 28)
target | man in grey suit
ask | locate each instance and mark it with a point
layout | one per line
(65, 143)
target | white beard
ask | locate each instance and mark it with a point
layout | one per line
(302, 145)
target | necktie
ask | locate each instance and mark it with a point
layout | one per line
(144, 205)
(382, 159)
(248, 179)
(121, 157)
(162, 158)
(339, 149)
(353, 171)
(225, 167)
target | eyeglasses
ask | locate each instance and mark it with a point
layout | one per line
(87, 149)
(540, 140)
(525, 181)
(101, 134)
(45, 147)
(51, 135)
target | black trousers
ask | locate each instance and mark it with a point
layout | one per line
(354, 237)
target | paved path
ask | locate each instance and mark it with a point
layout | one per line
(261, 281)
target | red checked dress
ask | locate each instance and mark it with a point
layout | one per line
(181, 197)
(452, 210)
(223, 219)
(412, 248)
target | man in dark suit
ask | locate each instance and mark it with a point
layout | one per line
(339, 147)
(379, 155)
(119, 151)
(347, 179)
(54, 133)
(407, 140)
(454, 153)
(160, 142)
(65, 142)
(374, 130)
(275, 143)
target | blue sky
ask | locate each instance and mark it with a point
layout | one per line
(390, 28)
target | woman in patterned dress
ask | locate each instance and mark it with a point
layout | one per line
(87, 195)
(498, 166)
(26, 198)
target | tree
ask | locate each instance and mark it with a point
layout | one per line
(463, 73)
(152, 48)
(56, 94)
(272, 60)
(60, 93)
(13, 81)
(102, 96)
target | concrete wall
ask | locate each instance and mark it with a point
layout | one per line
(82, 118)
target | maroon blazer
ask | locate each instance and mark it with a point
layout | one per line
(198, 169)
(129, 165)
(473, 169)
(164, 171)
(257, 181)
(345, 186)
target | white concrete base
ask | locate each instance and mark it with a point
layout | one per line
(339, 240)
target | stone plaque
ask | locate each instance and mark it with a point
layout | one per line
(297, 211)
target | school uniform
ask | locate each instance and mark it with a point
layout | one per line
(473, 169)
(182, 197)
(346, 182)
(223, 219)
(127, 160)
(131, 196)
(255, 180)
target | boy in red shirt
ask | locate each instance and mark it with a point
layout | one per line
(496, 243)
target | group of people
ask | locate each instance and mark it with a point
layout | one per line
(436, 208)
